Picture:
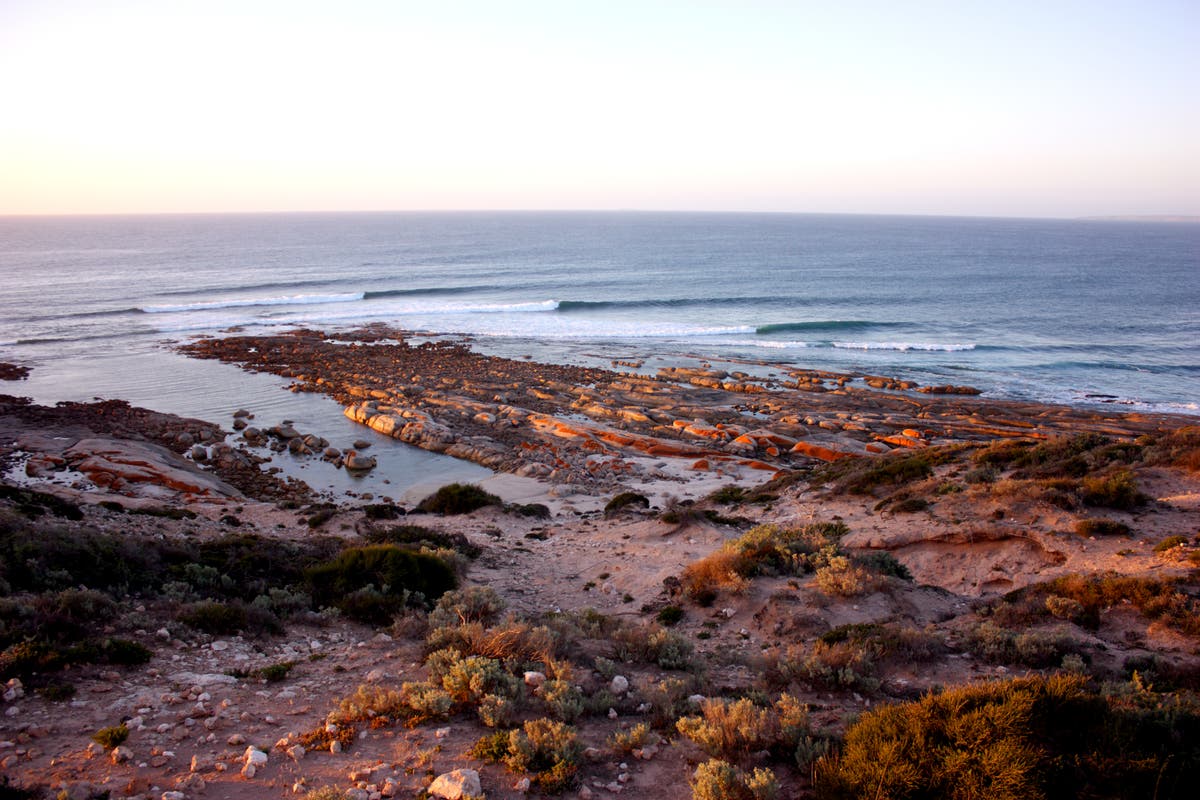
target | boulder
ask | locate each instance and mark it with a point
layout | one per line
(360, 463)
(456, 785)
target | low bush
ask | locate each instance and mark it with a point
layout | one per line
(1101, 527)
(531, 510)
(1037, 649)
(1158, 599)
(831, 666)
(624, 500)
(1180, 448)
(650, 643)
(108, 738)
(417, 537)
(637, 737)
(513, 642)
(1170, 543)
(1024, 738)
(380, 511)
(734, 729)
(883, 563)
(32, 503)
(842, 578)
(396, 572)
(471, 604)
(719, 780)
(863, 475)
(910, 505)
(669, 615)
(763, 550)
(1115, 489)
(458, 498)
(546, 750)
(214, 617)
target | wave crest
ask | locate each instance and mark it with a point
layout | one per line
(287, 300)
(905, 346)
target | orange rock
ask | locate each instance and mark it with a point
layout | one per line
(818, 452)
(701, 464)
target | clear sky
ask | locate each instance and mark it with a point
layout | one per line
(1002, 107)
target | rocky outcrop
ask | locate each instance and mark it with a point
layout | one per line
(602, 429)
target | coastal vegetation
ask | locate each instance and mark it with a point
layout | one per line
(854, 630)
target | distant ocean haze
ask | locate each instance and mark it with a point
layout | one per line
(1075, 312)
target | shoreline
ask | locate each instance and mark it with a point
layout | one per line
(591, 431)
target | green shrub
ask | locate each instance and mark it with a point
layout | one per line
(729, 495)
(1036, 649)
(33, 503)
(669, 615)
(214, 617)
(862, 475)
(56, 693)
(730, 729)
(532, 510)
(719, 780)
(844, 665)
(1101, 527)
(910, 505)
(396, 571)
(635, 738)
(1159, 599)
(625, 499)
(652, 644)
(764, 549)
(513, 641)
(108, 738)
(418, 536)
(1116, 489)
(1170, 543)
(1180, 448)
(883, 563)
(471, 604)
(124, 652)
(458, 498)
(563, 701)
(842, 578)
(1025, 738)
(466, 679)
(320, 517)
(378, 511)
(274, 673)
(548, 751)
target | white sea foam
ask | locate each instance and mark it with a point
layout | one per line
(247, 302)
(768, 343)
(905, 346)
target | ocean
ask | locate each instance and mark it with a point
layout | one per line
(1078, 312)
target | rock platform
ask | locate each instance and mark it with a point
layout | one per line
(599, 429)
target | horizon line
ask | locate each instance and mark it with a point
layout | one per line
(1163, 218)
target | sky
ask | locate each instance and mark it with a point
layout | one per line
(1044, 108)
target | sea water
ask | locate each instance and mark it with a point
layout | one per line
(1080, 312)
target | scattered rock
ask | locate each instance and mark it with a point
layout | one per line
(461, 783)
